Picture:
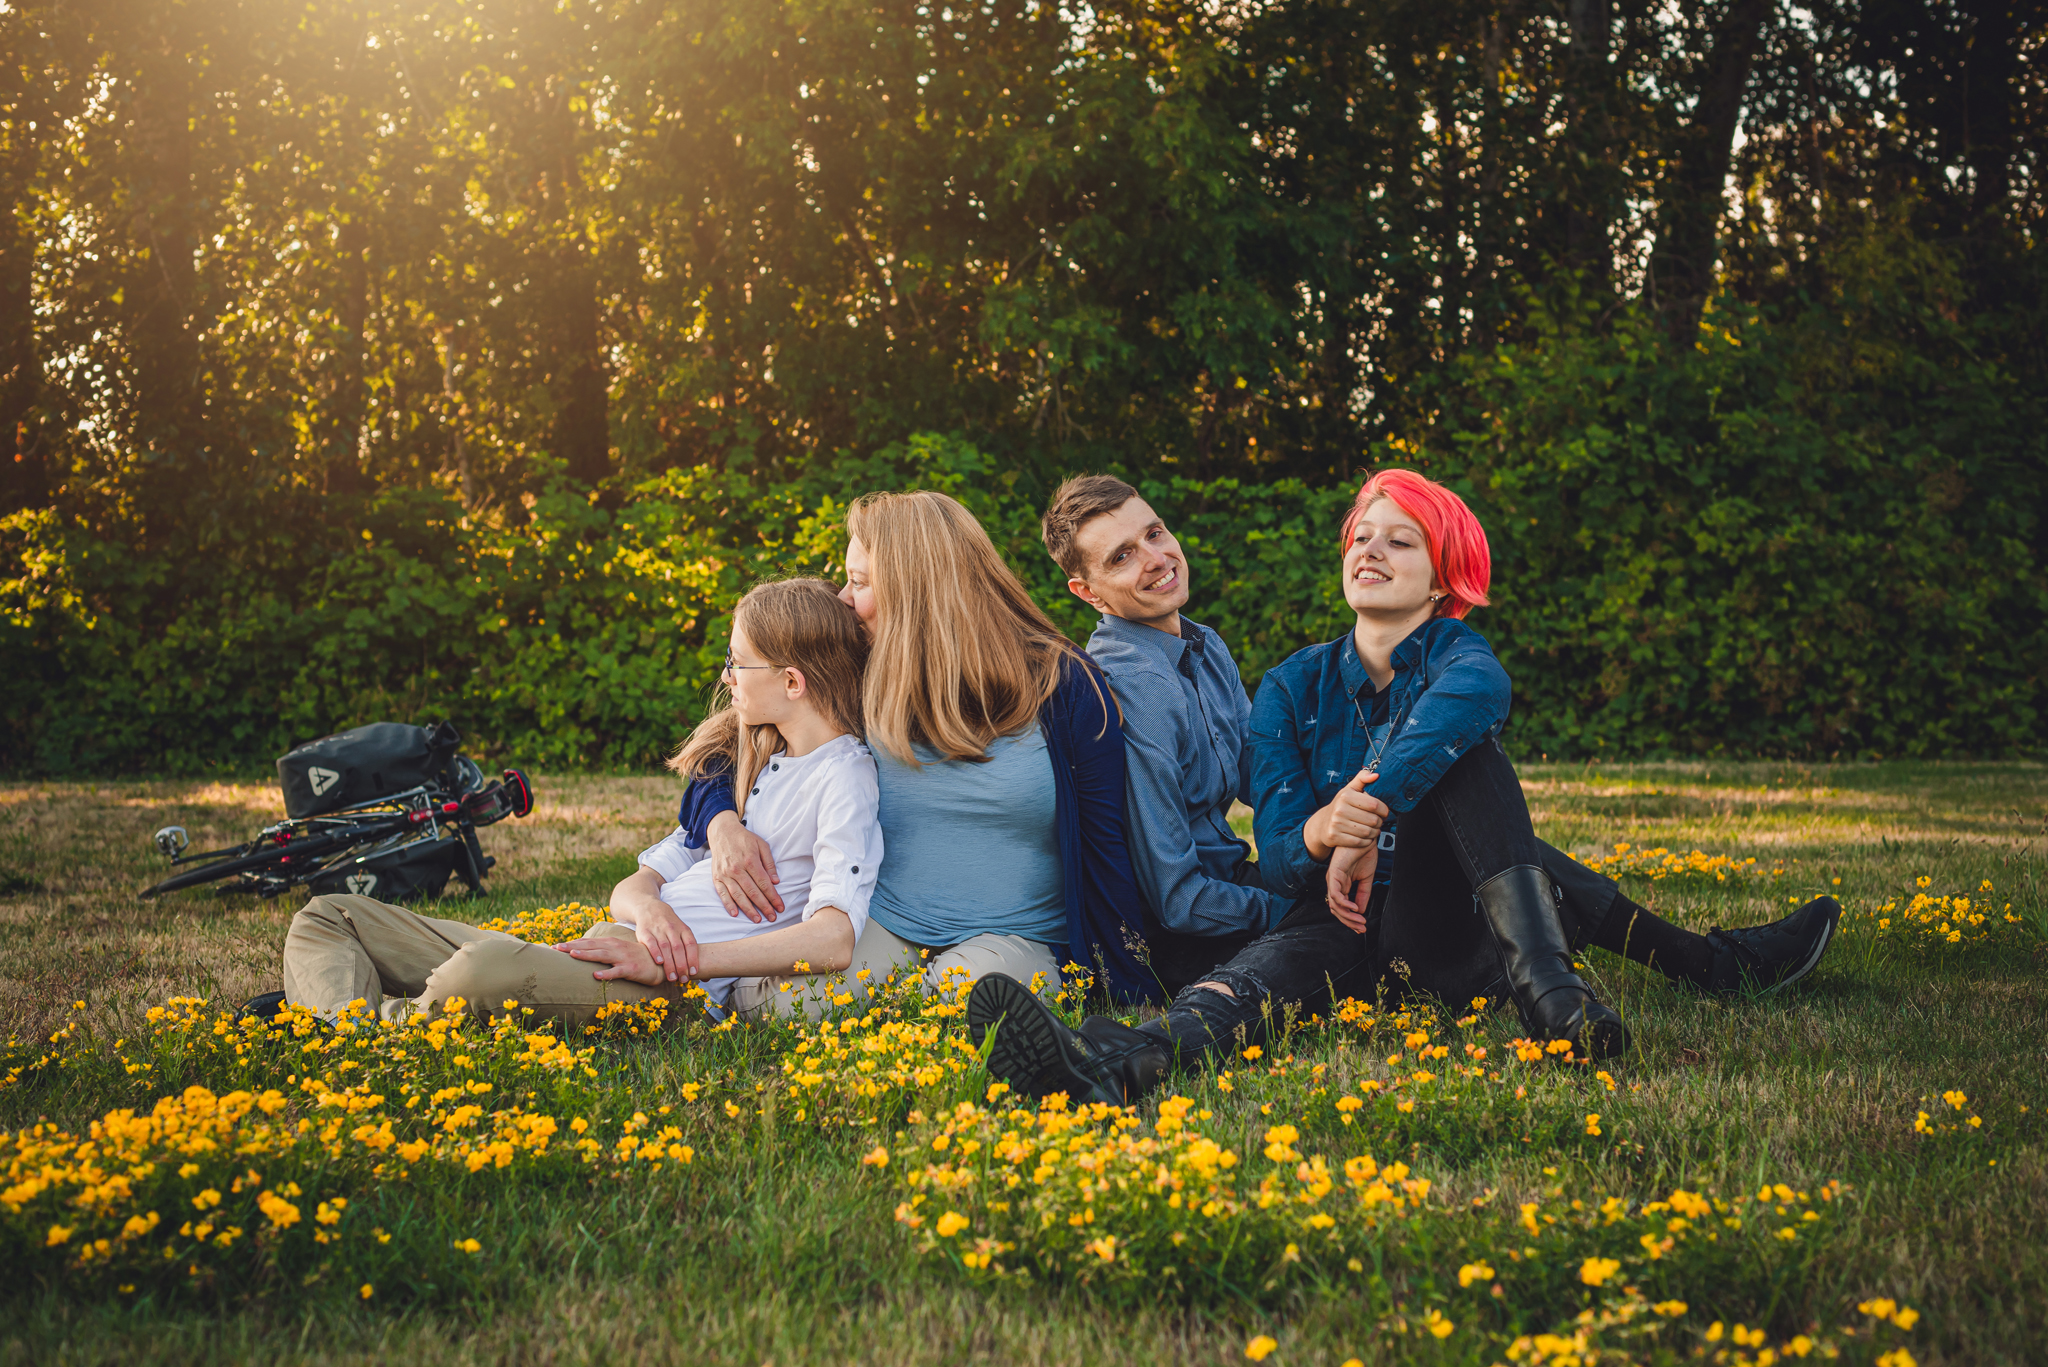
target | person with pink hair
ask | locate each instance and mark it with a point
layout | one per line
(1385, 807)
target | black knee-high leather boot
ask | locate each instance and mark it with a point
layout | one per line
(1520, 908)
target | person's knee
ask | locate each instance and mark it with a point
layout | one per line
(1228, 984)
(318, 913)
(483, 973)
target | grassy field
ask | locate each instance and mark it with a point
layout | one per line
(752, 1220)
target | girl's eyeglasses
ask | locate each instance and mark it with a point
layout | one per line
(729, 664)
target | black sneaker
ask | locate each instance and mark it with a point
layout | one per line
(1039, 1054)
(1768, 957)
(268, 1006)
(263, 1007)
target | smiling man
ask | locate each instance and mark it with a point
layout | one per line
(1185, 726)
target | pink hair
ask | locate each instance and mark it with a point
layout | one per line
(1458, 554)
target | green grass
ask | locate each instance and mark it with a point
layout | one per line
(777, 1245)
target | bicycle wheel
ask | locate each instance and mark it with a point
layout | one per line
(208, 873)
(286, 859)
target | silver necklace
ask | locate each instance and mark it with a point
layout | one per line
(1373, 753)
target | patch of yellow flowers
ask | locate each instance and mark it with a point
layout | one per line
(1941, 921)
(1096, 1194)
(233, 1180)
(277, 1158)
(549, 925)
(1659, 863)
(1925, 920)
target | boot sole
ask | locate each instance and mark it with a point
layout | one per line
(1030, 1052)
(1812, 960)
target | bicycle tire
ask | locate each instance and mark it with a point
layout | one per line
(308, 849)
(207, 873)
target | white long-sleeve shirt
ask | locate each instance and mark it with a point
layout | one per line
(817, 814)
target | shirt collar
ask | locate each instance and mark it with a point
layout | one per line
(1409, 653)
(1170, 648)
(1352, 669)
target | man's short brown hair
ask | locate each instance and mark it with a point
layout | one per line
(1074, 504)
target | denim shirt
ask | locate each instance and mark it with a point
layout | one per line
(1448, 694)
(1185, 719)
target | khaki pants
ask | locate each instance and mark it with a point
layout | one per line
(881, 953)
(343, 949)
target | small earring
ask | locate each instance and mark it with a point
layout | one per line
(1438, 597)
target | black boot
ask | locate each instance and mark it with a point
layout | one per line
(1520, 907)
(1038, 1054)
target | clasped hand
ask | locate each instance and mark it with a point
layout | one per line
(1352, 820)
(1347, 834)
(1349, 870)
(624, 958)
(659, 931)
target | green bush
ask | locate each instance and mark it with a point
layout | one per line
(1816, 534)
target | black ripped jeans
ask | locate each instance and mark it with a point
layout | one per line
(1424, 935)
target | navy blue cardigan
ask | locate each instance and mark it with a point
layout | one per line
(1106, 917)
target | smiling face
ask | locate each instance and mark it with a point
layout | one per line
(1387, 574)
(859, 592)
(1131, 567)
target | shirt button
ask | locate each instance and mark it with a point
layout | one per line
(856, 868)
(754, 793)
(774, 766)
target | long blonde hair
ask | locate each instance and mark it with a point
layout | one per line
(794, 624)
(961, 654)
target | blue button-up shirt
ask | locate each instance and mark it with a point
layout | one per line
(1185, 727)
(1309, 734)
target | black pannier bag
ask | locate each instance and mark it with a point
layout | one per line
(404, 875)
(362, 765)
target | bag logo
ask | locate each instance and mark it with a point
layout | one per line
(361, 883)
(323, 779)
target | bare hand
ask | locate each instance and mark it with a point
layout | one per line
(669, 941)
(1351, 821)
(623, 958)
(742, 870)
(1350, 868)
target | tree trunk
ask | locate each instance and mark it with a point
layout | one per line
(348, 433)
(1682, 260)
(164, 229)
(1588, 248)
(458, 417)
(23, 483)
(582, 419)
(1488, 239)
(1451, 265)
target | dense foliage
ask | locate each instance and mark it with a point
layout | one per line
(470, 357)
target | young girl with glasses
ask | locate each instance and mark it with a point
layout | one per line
(789, 743)
(806, 784)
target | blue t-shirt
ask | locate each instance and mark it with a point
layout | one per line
(1379, 724)
(973, 849)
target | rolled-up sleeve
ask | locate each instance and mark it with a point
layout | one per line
(672, 856)
(1465, 699)
(1285, 794)
(1162, 844)
(848, 853)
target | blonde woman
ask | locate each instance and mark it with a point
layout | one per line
(1000, 758)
